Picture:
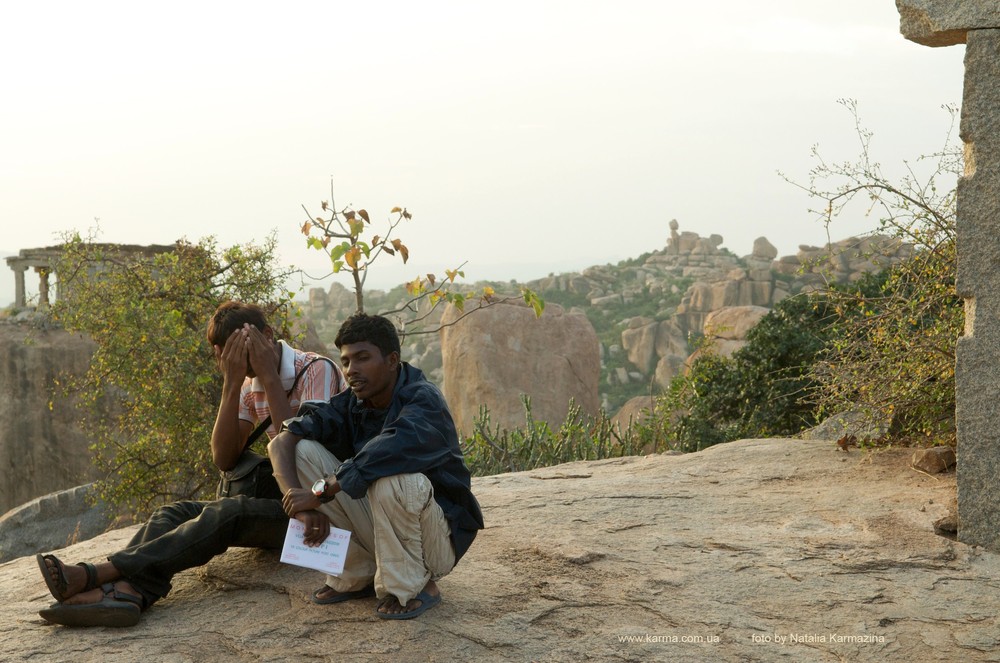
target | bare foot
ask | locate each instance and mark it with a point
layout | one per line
(390, 604)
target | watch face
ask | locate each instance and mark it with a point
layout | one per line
(319, 487)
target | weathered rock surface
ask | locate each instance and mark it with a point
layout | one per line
(934, 460)
(977, 280)
(42, 450)
(733, 322)
(647, 341)
(762, 248)
(854, 423)
(736, 549)
(726, 332)
(503, 351)
(51, 521)
(723, 283)
(635, 410)
(933, 23)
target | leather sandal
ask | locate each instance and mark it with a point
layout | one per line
(59, 587)
(339, 597)
(116, 608)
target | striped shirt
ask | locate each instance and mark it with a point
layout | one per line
(321, 381)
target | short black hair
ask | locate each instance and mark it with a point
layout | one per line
(232, 315)
(377, 330)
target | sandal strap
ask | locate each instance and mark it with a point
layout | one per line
(111, 591)
(91, 571)
(61, 584)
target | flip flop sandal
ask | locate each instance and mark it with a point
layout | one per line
(58, 588)
(426, 603)
(342, 596)
(114, 609)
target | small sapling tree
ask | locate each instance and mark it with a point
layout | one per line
(348, 237)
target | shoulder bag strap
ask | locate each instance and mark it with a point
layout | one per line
(262, 426)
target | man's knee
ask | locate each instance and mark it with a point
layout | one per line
(310, 450)
(239, 505)
(177, 512)
(310, 453)
(412, 491)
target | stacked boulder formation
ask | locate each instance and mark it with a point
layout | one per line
(735, 292)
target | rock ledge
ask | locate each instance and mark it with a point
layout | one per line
(754, 550)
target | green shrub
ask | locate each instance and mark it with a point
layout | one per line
(763, 390)
(492, 450)
(152, 390)
(894, 354)
(893, 358)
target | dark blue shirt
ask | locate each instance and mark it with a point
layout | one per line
(415, 434)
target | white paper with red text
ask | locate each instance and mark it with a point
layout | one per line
(327, 557)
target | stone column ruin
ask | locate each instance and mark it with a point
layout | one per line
(41, 261)
(977, 25)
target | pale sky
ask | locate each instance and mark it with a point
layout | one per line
(525, 137)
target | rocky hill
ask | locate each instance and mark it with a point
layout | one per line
(759, 550)
(648, 311)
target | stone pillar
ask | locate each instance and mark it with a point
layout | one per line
(978, 282)
(19, 294)
(43, 287)
(943, 23)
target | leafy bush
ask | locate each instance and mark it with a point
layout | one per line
(893, 358)
(894, 354)
(762, 390)
(153, 370)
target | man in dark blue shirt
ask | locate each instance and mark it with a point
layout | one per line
(381, 460)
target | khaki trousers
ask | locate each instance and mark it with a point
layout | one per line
(400, 538)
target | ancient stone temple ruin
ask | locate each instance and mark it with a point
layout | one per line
(43, 261)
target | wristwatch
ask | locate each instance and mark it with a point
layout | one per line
(319, 490)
